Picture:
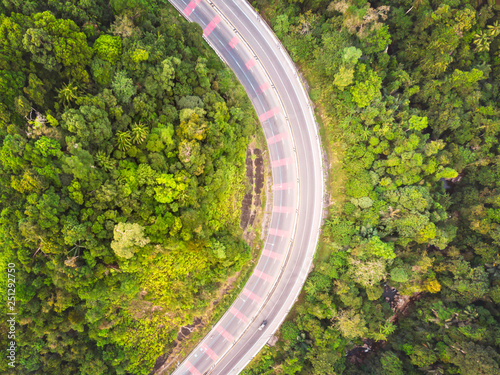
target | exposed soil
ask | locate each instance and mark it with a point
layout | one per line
(186, 330)
(358, 354)
(389, 293)
(401, 305)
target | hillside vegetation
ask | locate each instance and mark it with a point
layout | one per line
(408, 92)
(122, 164)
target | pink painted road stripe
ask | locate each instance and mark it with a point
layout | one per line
(281, 162)
(266, 116)
(225, 333)
(271, 254)
(238, 314)
(191, 368)
(278, 232)
(283, 186)
(191, 6)
(262, 275)
(252, 295)
(209, 352)
(264, 86)
(211, 26)
(234, 42)
(250, 63)
(283, 209)
(277, 138)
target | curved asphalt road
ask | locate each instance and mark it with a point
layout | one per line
(253, 52)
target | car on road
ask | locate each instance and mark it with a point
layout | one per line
(262, 325)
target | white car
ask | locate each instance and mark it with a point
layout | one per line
(262, 325)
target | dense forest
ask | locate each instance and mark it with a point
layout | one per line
(122, 169)
(407, 279)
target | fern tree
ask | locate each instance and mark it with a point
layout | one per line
(139, 133)
(68, 94)
(104, 161)
(123, 140)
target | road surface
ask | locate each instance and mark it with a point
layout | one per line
(247, 45)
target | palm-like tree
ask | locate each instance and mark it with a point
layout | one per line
(68, 94)
(123, 140)
(482, 41)
(104, 161)
(494, 30)
(139, 133)
(364, 134)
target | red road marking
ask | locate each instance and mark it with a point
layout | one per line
(283, 186)
(250, 63)
(262, 275)
(209, 352)
(277, 138)
(271, 254)
(233, 310)
(191, 368)
(224, 333)
(283, 209)
(211, 26)
(266, 116)
(278, 232)
(234, 42)
(252, 295)
(281, 162)
(264, 86)
(191, 6)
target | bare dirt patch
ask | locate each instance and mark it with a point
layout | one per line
(401, 305)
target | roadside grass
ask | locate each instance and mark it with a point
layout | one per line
(333, 154)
